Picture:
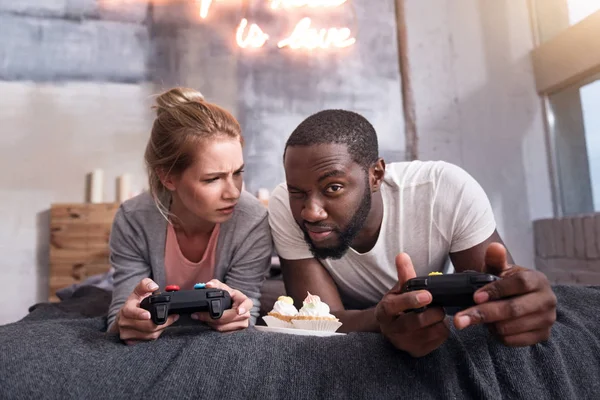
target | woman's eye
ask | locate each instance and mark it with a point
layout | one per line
(210, 180)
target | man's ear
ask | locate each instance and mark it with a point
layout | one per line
(168, 180)
(376, 174)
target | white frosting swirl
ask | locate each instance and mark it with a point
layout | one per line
(284, 308)
(315, 308)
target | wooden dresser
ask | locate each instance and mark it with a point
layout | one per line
(79, 236)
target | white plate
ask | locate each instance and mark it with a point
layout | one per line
(293, 331)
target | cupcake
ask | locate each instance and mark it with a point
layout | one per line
(315, 315)
(282, 313)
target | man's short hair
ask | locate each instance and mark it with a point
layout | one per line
(340, 127)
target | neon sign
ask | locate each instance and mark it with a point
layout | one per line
(254, 38)
(204, 7)
(304, 36)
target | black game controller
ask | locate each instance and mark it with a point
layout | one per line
(453, 292)
(161, 305)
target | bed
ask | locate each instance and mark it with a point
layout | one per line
(61, 351)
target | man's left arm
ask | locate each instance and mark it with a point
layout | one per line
(519, 309)
(473, 258)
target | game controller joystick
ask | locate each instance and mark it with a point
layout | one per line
(175, 301)
(449, 291)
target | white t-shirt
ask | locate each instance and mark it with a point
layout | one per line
(429, 210)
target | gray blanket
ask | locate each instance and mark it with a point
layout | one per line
(62, 352)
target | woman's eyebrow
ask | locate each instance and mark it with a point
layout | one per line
(223, 173)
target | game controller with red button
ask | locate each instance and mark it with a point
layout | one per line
(176, 301)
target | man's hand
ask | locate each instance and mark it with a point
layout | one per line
(416, 333)
(133, 322)
(519, 309)
(235, 318)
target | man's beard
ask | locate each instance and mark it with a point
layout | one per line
(347, 235)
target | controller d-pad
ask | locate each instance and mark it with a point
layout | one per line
(217, 293)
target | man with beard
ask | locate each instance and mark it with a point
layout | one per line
(351, 229)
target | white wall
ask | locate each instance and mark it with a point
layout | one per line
(476, 105)
(50, 137)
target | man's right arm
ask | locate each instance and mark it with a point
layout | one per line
(418, 334)
(309, 275)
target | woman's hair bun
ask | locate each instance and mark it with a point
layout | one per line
(176, 97)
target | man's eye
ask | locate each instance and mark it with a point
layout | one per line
(210, 180)
(295, 194)
(334, 188)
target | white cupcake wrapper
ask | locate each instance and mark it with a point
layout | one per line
(274, 322)
(316, 325)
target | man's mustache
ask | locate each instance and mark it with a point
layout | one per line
(315, 227)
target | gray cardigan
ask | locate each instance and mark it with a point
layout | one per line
(137, 249)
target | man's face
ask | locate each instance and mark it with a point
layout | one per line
(330, 196)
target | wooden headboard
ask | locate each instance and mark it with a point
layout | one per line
(79, 236)
(78, 242)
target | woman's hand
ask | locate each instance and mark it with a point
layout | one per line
(237, 317)
(133, 323)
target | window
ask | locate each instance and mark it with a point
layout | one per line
(581, 9)
(567, 70)
(590, 102)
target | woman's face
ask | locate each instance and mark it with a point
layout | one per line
(210, 187)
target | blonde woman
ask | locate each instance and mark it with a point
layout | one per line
(195, 224)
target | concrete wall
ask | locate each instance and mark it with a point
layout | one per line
(568, 249)
(76, 85)
(51, 135)
(271, 90)
(476, 106)
(473, 86)
(58, 40)
(73, 98)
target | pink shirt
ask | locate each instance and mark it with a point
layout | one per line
(181, 271)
